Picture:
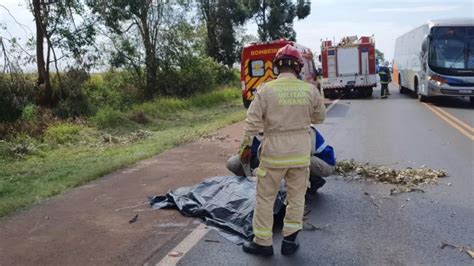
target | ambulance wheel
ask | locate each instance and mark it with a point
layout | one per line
(246, 103)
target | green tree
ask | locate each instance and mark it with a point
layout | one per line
(221, 18)
(379, 56)
(128, 18)
(64, 26)
(275, 18)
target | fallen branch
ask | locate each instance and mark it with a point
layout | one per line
(469, 251)
(372, 200)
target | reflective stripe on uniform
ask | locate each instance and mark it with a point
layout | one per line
(262, 232)
(261, 172)
(289, 160)
(292, 224)
(321, 148)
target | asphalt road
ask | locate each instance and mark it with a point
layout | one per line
(90, 225)
(410, 228)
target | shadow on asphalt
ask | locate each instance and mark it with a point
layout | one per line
(453, 102)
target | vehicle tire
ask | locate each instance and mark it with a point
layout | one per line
(471, 100)
(416, 87)
(402, 89)
(422, 98)
(368, 92)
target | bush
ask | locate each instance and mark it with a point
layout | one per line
(20, 146)
(192, 75)
(110, 89)
(214, 98)
(160, 107)
(30, 113)
(62, 133)
(74, 102)
(109, 118)
(16, 91)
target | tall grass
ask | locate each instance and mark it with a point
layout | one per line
(162, 107)
(78, 153)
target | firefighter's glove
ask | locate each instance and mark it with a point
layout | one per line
(245, 151)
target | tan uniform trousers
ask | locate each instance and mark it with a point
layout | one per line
(268, 184)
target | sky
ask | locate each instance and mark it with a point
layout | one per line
(386, 20)
(329, 19)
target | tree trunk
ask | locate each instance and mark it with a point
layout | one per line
(43, 83)
(151, 64)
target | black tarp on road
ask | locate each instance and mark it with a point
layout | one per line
(224, 202)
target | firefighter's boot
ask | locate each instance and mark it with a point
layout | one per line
(290, 244)
(256, 249)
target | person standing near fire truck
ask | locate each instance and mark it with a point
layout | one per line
(283, 109)
(385, 79)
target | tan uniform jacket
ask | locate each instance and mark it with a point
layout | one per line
(284, 109)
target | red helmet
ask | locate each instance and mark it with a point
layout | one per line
(289, 56)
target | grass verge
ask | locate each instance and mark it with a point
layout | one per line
(71, 162)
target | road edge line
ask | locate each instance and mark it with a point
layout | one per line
(332, 104)
(185, 245)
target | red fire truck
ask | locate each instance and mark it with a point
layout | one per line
(257, 66)
(348, 66)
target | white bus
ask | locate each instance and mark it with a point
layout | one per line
(437, 59)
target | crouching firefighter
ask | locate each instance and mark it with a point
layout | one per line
(283, 109)
(385, 79)
(322, 160)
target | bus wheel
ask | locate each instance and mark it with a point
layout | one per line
(415, 89)
(402, 89)
(422, 98)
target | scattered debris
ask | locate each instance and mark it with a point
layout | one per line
(406, 180)
(399, 189)
(469, 251)
(175, 254)
(211, 241)
(215, 137)
(165, 225)
(372, 200)
(134, 219)
(311, 227)
(126, 139)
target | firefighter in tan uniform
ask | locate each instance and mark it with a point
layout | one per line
(283, 109)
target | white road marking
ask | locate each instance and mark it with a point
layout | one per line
(331, 105)
(185, 246)
(198, 233)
